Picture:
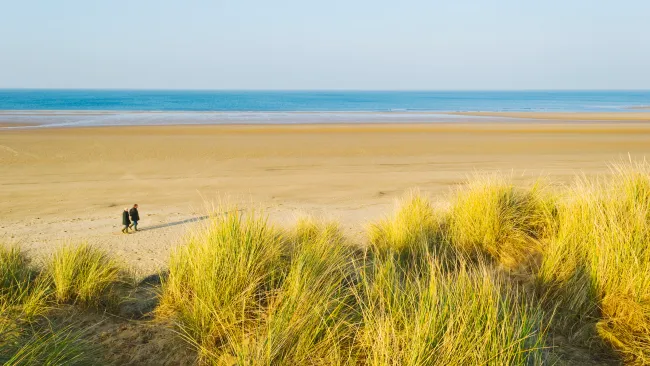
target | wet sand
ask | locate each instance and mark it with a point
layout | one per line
(71, 184)
(569, 116)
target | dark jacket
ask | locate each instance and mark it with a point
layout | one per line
(125, 218)
(134, 214)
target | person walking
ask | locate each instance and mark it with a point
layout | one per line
(135, 217)
(125, 221)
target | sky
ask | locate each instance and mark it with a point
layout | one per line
(328, 44)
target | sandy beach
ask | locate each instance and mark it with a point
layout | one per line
(639, 116)
(71, 184)
(321, 183)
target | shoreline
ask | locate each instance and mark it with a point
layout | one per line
(532, 126)
(10, 120)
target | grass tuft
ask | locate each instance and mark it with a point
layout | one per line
(46, 347)
(217, 282)
(310, 318)
(491, 216)
(83, 275)
(23, 294)
(415, 231)
(597, 268)
(24, 303)
(437, 317)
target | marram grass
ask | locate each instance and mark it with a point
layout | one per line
(597, 267)
(309, 319)
(23, 294)
(490, 215)
(82, 274)
(25, 300)
(245, 293)
(435, 285)
(491, 279)
(47, 347)
(218, 283)
(440, 318)
(414, 224)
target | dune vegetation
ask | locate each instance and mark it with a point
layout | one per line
(503, 274)
(26, 298)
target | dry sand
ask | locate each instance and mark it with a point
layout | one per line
(71, 184)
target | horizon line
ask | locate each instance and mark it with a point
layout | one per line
(324, 90)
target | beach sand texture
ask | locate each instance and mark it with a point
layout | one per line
(71, 184)
(569, 116)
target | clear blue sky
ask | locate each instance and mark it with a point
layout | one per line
(327, 44)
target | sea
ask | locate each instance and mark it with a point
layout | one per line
(60, 108)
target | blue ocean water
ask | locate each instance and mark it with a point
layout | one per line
(321, 101)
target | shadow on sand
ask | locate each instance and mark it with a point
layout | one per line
(186, 221)
(175, 223)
